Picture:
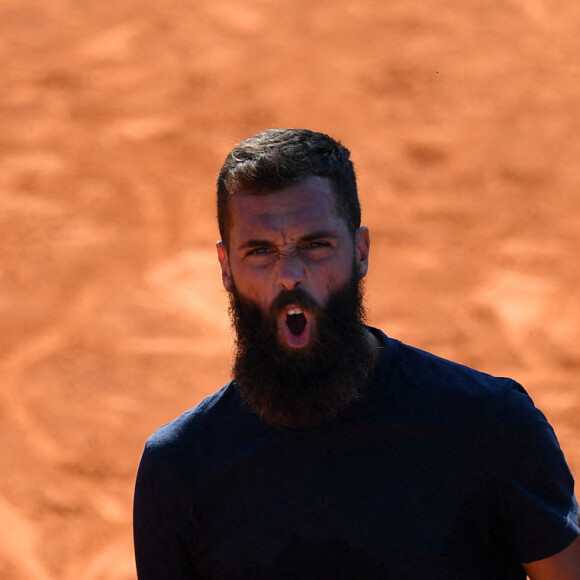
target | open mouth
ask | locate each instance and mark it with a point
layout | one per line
(296, 328)
(296, 321)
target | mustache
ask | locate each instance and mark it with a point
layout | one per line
(296, 296)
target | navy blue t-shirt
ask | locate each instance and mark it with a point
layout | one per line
(440, 472)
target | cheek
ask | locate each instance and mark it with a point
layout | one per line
(253, 287)
(325, 284)
(336, 275)
(332, 279)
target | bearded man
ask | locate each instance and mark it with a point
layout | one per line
(336, 451)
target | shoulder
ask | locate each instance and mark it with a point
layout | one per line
(431, 387)
(422, 370)
(190, 435)
(181, 425)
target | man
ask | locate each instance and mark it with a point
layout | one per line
(335, 451)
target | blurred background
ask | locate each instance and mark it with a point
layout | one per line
(463, 118)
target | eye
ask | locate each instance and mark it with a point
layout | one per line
(260, 251)
(317, 244)
(317, 249)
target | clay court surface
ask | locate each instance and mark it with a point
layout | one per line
(463, 118)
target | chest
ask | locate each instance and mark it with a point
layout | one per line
(366, 500)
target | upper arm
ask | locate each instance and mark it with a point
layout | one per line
(564, 565)
(536, 487)
(160, 525)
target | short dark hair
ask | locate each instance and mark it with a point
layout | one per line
(277, 158)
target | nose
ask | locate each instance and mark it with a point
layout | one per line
(290, 271)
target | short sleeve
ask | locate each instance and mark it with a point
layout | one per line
(535, 483)
(161, 525)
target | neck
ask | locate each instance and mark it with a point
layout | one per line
(376, 347)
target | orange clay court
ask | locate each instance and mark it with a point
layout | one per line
(463, 119)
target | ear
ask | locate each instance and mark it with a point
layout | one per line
(224, 261)
(362, 243)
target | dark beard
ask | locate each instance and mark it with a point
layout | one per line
(300, 388)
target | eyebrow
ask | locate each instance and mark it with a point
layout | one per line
(318, 234)
(255, 243)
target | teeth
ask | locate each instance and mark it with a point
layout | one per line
(294, 311)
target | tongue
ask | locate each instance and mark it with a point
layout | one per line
(296, 323)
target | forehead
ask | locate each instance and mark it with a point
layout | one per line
(291, 211)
